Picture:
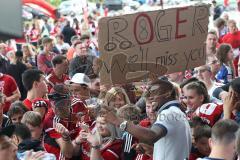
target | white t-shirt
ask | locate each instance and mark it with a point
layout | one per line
(64, 46)
(176, 144)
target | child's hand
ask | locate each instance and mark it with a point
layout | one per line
(143, 148)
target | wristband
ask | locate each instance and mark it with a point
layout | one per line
(96, 147)
(66, 137)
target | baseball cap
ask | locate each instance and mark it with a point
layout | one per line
(79, 78)
(7, 131)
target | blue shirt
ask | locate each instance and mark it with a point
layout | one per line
(224, 73)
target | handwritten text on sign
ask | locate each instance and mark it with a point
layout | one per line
(163, 41)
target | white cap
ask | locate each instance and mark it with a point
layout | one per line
(80, 78)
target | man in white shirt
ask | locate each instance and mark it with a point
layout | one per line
(61, 45)
(170, 134)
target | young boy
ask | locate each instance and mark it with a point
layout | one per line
(16, 112)
(200, 148)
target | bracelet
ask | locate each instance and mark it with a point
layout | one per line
(96, 147)
(66, 137)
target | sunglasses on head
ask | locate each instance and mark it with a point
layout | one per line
(196, 71)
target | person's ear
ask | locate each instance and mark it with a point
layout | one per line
(35, 84)
(210, 142)
(202, 98)
(41, 125)
(15, 139)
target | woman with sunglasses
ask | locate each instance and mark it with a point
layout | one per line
(204, 74)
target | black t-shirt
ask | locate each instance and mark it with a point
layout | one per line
(68, 32)
(16, 70)
(4, 64)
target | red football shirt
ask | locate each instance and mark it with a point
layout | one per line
(113, 151)
(144, 123)
(53, 79)
(28, 104)
(51, 135)
(7, 86)
(210, 111)
(234, 41)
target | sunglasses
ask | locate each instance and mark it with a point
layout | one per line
(214, 62)
(199, 71)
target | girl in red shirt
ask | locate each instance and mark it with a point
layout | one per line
(102, 144)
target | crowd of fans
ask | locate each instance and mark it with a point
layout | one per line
(53, 105)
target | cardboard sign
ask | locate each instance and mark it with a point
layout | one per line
(159, 42)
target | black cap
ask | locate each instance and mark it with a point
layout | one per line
(7, 131)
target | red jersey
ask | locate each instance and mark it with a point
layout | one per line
(51, 134)
(34, 35)
(7, 86)
(210, 111)
(44, 62)
(144, 123)
(195, 154)
(78, 106)
(50, 144)
(233, 39)
(28, 104)
(53, 79)
(20, 40)
(112, 151)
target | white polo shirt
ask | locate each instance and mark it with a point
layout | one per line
(176, 144)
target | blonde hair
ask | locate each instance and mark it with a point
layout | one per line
(30, 49)
(32, 118)
(231, 21)
(114, 132)
(110, 95)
